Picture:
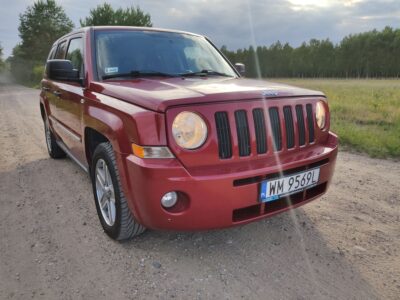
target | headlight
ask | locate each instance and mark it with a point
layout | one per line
(320, 114)
(189, 130)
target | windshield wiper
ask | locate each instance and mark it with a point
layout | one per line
(135, 74)
(205, 73)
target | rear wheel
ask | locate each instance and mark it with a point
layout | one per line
(53, 148)
(112, 207)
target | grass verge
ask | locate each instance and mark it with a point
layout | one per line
(364, 113)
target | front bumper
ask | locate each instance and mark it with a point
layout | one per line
(218, 197)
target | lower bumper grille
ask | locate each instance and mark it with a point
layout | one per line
(257, 179)
(276, 206)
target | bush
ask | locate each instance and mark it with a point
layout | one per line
(26, 72)
(37, 74)
(21, 70)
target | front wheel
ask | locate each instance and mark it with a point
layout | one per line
(112, 207)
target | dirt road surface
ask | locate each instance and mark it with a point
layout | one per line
(343, 246)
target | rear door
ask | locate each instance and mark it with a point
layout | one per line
(49, 86)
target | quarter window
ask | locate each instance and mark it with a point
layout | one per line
(52, 52)
(62, 48)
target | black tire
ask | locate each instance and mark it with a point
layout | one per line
(53, 148)
(125, 226)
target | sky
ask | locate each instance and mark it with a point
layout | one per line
(235, 23)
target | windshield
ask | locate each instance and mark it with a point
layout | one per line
(165, 53)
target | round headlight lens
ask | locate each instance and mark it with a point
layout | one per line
(189, 130)
(320, 114)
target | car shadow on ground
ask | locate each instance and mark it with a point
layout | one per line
(285, 253)
(285, 256)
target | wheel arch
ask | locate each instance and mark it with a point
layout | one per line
(103, 126)
(92, 138)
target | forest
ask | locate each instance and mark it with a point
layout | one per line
(373, 54)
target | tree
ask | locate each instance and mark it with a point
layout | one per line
(1, 59)
(106, 15)
(41, 25)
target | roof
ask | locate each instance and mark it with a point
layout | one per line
(133, 28)
(140, 29)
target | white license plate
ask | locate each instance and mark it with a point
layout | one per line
(274, 189)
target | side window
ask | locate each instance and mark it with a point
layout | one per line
(75, 54)
(62, 48)
(52, 52)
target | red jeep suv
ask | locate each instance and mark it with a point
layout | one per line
(173, 136)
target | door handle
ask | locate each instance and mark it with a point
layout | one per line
(45, 88)
(57, 93)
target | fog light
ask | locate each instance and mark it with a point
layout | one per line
(169, 199)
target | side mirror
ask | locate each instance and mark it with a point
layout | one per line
(62, 70)
(241, 68)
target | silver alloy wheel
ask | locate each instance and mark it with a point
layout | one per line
(48, 135)
(105, 192)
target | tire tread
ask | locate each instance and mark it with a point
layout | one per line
(56, 152)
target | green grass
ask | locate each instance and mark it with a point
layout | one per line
(364, 113)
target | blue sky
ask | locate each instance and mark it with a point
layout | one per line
(236, 23)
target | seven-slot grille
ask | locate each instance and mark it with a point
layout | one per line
(267, 123)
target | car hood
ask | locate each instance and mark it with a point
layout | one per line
(158, 94)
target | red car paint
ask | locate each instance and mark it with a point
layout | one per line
(214, 192)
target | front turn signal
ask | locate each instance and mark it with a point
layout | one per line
(151, 152)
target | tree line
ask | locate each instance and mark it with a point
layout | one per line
(369, 54)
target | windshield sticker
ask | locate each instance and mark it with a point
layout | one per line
(111, 70)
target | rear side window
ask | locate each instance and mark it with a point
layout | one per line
(62, 48)
(75, 54)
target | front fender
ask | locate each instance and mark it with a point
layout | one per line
(123, 124)
(109, 125)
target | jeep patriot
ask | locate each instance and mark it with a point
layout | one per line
(174, 137)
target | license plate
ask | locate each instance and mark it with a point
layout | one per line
(274, 189)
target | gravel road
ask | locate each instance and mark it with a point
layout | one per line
(345, 245)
